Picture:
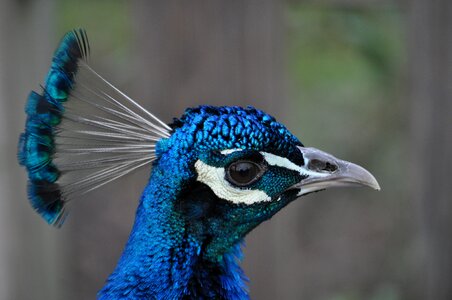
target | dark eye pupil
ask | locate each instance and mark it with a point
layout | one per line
(243, 172)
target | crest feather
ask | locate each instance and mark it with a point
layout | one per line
(81, 132)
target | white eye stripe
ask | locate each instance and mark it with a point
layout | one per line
(215, 179)
(275, 160)
(229, 151)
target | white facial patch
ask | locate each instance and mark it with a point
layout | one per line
(215, 178)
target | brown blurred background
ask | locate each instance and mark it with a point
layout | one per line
(369, 81)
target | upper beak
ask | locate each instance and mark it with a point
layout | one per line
(325, 171)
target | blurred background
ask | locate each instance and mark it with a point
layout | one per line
(369, 81)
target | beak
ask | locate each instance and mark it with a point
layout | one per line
(324, 171)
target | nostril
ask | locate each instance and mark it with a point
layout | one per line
(330, 167)
(320, 165)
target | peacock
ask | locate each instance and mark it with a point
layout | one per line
(216, 173)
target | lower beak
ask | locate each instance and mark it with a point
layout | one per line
(326, 171)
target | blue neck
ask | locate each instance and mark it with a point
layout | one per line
(162, 260)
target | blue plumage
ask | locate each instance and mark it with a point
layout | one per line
(36, 144)
(217, 173)
(44, 109)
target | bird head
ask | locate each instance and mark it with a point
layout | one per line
(231, 168)
(219, 170)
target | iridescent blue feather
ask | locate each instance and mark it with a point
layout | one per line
(44, 111)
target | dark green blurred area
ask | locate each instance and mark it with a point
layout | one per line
(348, 65)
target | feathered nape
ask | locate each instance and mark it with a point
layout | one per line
(81, 132)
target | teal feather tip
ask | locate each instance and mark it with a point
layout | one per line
(44, 112)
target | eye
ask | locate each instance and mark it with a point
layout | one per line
(243, 172)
